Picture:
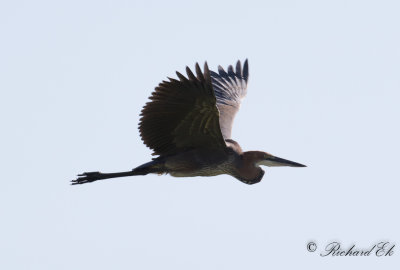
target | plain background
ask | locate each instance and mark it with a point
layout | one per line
(323, 91)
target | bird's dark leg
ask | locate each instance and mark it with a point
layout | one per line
(88, 177)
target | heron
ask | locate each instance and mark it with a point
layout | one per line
(188, 124)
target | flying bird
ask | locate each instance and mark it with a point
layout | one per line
(188, 125)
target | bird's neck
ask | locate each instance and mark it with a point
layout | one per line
(248, 169)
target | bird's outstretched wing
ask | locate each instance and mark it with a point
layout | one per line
(181, 115)
(229, 88)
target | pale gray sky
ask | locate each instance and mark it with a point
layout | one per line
(324, 91)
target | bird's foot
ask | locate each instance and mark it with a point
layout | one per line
(87, 177)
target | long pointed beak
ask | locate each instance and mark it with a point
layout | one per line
(273, 161)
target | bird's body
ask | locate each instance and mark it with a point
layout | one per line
(199, 162)
(188, 124)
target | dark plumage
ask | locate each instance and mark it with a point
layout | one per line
(188, 125)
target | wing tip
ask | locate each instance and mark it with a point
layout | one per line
(221, 71)
(245, 72)
(207, 74)
(190, 74)
(199, 73)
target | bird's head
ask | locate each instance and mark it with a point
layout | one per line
(266, 159)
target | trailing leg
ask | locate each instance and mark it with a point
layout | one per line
(149, 167)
